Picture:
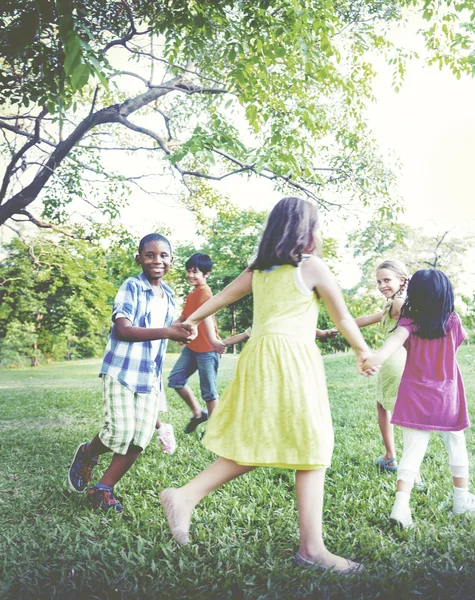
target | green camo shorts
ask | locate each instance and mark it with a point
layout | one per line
(129, 418)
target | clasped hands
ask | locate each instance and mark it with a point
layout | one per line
(368, 363)
(185, 332)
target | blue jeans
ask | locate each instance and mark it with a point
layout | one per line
(206, 363)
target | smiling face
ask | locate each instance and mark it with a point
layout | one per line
(155, 259)
(388, 282)
(196, 277)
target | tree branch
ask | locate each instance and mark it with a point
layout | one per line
(42, 224)
(16, 157)
(116, 113)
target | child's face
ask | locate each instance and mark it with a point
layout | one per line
(388, 282)
(196, 277)
(155, 259)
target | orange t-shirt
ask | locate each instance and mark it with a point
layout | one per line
(199, 296)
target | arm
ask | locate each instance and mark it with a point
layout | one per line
(362, 321)
(218, 345)
(241, 286)
(317, 275)
(365, 320)
(181, 319)
(393, 343)
(236, 339)
(127, 332)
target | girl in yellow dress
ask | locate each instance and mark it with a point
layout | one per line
(275, 412)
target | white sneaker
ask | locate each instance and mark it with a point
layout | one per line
(466, 504)
(401, 516)
(166, 437)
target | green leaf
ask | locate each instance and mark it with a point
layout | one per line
(80, 76)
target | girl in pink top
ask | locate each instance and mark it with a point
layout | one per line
(431, 395)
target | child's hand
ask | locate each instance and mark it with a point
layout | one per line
(218, 346)
(368, 370)
(371, 364)
(182, 332)
(325, 334)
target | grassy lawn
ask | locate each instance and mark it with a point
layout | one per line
(243, 536)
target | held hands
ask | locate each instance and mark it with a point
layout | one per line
(218, 346)
(182, 332)
(367, 364)
(372, 361)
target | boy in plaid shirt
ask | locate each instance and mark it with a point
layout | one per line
(131, 373)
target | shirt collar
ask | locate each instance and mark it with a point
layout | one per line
(146, 286)
(145, 282)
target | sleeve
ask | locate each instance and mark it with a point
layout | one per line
(407, 324)
(125, 301)
(248, 331)
(203, 295)
(460, 333)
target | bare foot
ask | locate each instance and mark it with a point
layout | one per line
(327, 560)
(177, 514)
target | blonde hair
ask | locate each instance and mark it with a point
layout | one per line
(400, 269)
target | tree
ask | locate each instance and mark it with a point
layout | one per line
(296, 72)
(418, 250)
(54, 298)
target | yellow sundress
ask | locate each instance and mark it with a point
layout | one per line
(275, 412)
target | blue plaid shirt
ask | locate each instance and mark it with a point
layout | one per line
(131, 363)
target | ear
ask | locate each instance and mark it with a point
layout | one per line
(137, 259)
(172, 258)
(206, 275)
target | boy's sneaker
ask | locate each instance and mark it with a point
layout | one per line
(465, 503)
(195, 421)
(80, 471)
(102, 496)
(166, 437)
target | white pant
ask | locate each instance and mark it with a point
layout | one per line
(415, 443)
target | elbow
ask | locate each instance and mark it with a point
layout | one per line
(122, 335)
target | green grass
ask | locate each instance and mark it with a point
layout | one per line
(244, 535)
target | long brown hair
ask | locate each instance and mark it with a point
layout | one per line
(289, 232)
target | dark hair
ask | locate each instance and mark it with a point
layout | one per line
(200, 261)
(154, 237)
(429, 303)
(289, 232)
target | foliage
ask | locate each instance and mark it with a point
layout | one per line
(54, 297)
(19, 345)
(244, 535)
(269, 89)
(383, 239)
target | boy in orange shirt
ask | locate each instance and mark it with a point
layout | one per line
(204, 352)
